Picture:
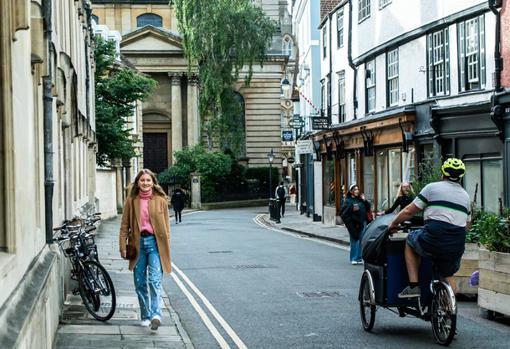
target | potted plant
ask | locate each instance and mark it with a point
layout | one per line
(494, 286)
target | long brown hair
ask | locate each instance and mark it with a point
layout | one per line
(135, 190)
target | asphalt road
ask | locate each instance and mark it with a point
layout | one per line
(277, 290)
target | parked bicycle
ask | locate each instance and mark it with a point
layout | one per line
(95, 287)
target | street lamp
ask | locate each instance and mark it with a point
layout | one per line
(270, 157)
(286, 88)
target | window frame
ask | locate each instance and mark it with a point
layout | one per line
(341, 96)
(392, 78)
(433, 64)
(463, 63)
(370, 85)
(152, 16)
(364, 10)
(324, 42)
(384, 3)
(480, 159)
(340, 28)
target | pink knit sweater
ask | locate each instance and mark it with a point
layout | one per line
(145, 219)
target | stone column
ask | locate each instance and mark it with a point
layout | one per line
(193, 119)
(176, 113)
(196, 200)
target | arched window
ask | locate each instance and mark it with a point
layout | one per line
(95, 19)
(287, 45)
(149, 19)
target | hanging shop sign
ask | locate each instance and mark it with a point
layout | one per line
(320, 123)
(287, 136)
(304, 147)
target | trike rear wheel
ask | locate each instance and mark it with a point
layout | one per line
(443, 315)
(366, 299)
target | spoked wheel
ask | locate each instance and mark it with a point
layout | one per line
(366, 301)
(97, 291)
(444, 314)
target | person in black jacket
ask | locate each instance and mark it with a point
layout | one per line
(403, 199)
(177, 202)
(354, 215)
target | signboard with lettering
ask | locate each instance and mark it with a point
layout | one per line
(287, 136)
(320, 123)
(304, 147)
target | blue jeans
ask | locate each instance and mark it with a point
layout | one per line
(148, 261)
(356, 253)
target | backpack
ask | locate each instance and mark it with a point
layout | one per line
(280, 192)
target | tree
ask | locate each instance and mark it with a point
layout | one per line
(222, 37)
(117, 90)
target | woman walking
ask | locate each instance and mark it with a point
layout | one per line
(177, 202)
(354, 215)
(145, 241)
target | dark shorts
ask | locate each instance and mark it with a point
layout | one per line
(445, 264)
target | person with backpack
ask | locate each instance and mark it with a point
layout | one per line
(281, 197)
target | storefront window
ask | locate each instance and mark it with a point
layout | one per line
(487, 174)
(382, 180)
(492, 184)
(368, 178)
(329, 183)
(408, 166)
(395, 174)
(352, 169)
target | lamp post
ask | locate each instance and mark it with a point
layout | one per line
(270, 157)
(286, 88)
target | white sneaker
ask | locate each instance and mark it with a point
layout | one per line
(145, 323)
(155, 322)
(354, 262)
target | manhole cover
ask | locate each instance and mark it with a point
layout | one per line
(219, 252)
(320, 294)
(252, 266)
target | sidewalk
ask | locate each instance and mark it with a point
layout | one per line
(297, 223)
(78, 329)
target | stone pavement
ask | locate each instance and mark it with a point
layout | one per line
(78, 329)
(301, 224)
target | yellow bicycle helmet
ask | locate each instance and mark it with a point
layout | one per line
(453, 168)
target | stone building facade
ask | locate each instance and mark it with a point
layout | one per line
(47, 157)
(170, 117)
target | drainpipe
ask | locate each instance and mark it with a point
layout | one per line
(47, 125)
(351, 63)
(330, 116)
(497, 51)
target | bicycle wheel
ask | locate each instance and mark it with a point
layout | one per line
(97, 291)
(444, 314)
(366, 307)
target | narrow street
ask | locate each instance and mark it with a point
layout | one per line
(278, 290)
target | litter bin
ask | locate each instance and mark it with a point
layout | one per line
(274, 210)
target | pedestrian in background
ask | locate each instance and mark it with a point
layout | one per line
(145, 234)
(281, 194)
(292, 194)
(354, 214)
(403, 199)
(177, 201)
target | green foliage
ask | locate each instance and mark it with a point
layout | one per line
(258, 178)
(427, 173)
(117, 90)
(493, 231)
(222, 37)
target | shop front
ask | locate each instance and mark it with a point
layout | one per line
(375, 152)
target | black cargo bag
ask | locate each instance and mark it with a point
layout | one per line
(374, 239)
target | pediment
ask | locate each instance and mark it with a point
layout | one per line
(149, 39)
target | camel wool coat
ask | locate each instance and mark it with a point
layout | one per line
(158, 213)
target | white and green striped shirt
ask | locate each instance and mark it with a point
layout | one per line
(444, 201)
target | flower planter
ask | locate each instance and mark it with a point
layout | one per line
(494, 287)
(468, 266)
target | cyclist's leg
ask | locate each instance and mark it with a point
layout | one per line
(140, 278)
(413, 261)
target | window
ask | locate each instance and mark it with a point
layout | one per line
(438, 59)
(323, 96)
(287, 46)
(384, 3)
(368, 178)
(484, 181)
(324, 42)
(363, 9)
(329, 183)
(471, 37)
(340, 28)
(370, 85)
(341, 96)
(149, 19)
(392, 76)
